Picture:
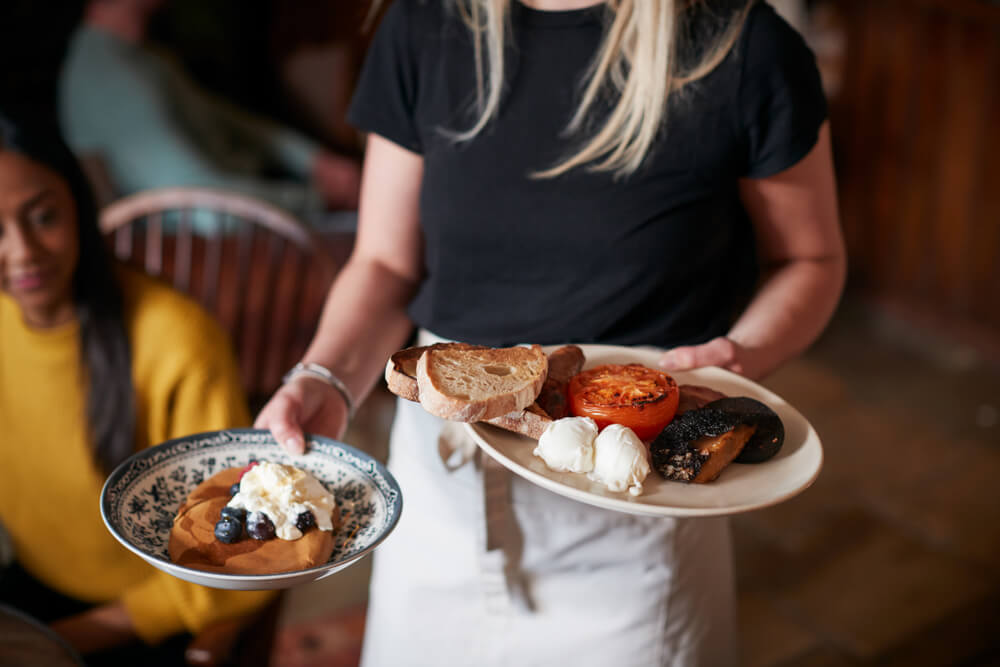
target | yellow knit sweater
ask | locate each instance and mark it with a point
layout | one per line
(185, 380)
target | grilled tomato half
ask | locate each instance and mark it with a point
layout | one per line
(632, 395)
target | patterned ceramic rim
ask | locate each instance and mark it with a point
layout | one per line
(259, 444)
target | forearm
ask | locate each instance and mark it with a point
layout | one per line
(364, 321)
(789, 311)
(802, 252)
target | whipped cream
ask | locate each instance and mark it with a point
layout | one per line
(282, 492)
(620, 460)
(567, 445)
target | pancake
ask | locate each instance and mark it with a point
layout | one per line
(193, 543)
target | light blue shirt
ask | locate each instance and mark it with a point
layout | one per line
(155, 127)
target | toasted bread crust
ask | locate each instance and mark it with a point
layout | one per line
(441, 392)
(401, 369)
(563, 364)
(400, 383)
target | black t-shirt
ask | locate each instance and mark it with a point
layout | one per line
(663, 257)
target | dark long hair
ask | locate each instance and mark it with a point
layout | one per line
(105, 353)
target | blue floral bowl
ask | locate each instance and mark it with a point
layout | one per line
(142, 496)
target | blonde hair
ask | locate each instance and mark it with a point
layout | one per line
(637, 58)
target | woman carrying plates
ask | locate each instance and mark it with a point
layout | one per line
(552, 171)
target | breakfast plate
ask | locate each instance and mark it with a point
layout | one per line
(740, 487)
(141, 497)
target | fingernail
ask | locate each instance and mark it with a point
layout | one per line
(295, 445)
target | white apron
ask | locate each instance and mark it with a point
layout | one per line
(549, 581)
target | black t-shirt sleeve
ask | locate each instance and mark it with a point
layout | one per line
(385, 97)
(782, 104)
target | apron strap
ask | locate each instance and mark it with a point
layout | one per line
(503, 582)
(504, 585)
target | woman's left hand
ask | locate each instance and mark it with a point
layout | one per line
(802, 265)
(721, 352)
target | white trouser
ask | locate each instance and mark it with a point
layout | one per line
(550, 581)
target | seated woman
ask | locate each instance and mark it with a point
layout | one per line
(96, 361)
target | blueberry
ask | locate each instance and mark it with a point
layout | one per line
(259, 526)
(305, 521)
(237, 514)
(234, 489)
(228, 531)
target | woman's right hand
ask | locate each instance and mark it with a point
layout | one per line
(303, 404)
(364, 319)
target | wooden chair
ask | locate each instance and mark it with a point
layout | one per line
(262, 273)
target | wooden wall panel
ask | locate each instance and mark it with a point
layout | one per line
(984, 262)
(896, 117)
(917, 135)
(963, 128)
(918, 163)
(851, 135)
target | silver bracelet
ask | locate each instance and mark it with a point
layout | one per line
(326, 375)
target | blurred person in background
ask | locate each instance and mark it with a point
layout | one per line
(96, 362)
(153, 126)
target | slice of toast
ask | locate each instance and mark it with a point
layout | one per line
(564, 363)
(474, 385)
(401, 369)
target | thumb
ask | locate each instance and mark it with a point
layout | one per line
(281, 416)
(717, 352)
(679, 358)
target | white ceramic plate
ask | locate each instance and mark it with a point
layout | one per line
(142, 496)
(740, 487)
